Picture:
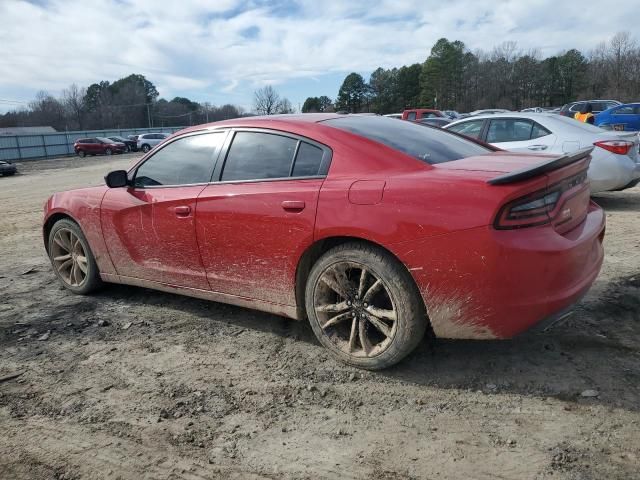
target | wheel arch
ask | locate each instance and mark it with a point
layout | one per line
(51, 221)
(316, 250)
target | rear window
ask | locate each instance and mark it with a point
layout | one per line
(426, 144)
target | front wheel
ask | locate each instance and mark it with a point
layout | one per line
(146, 148)
(72, 259)
(364, 306)
(108, 151)
(81, 153)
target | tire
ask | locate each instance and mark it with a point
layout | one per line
(127, 149)
(81, 153)
(396, 300)
(108, 151)
(61, 231)
(146, 148)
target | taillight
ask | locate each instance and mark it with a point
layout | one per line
(534, 209)
(619, 147)
(528, 211)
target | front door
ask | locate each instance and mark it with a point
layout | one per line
(149, 227)
(255, 223)
(520, 135)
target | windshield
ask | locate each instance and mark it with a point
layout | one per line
(117, 139)
(104, 140)
(426, 144)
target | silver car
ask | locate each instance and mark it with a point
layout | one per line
(615, 162)
(147, 141)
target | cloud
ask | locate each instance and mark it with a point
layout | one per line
(226, 48)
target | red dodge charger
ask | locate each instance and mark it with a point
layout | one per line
(372, 229)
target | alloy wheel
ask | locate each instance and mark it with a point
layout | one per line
(355, 309)
(69, 257)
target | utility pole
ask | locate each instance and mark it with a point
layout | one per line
(148, 116)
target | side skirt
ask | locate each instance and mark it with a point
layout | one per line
(275, 308)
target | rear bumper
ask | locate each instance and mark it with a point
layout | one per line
(482, 283)
(609, 171)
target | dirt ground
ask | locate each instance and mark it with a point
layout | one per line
(132, 383)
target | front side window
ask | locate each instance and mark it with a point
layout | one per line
(472, 128)
(185, 161)
(259, 156)
(431, 145)
(509, 130)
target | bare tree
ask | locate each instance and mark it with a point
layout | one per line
(285, 106)
(266, 101)
(73, 102)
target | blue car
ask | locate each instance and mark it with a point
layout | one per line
(621, 117)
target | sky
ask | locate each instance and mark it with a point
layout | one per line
(221, 51)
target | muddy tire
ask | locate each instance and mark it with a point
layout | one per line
(72, 259)
(364, 307)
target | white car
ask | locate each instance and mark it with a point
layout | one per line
(615, 161)
(147, 141)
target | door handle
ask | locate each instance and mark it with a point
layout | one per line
(183, 211)
(537, 147)
(293, 205)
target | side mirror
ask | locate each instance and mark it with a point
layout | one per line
(117, 179)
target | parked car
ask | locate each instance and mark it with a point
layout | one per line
(98, 146)
(7, 168)
(147, 141)
(132, 146)
(614, 166)
(435, 122)
(488, 111)
(621, 117)
(570, 109)
(420, 113)
(451, 114)
(533, 110)
(394, 115)
(463, 229)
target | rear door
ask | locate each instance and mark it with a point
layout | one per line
(256, 221)
(520, 135)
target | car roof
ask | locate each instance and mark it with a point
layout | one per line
(281, 120)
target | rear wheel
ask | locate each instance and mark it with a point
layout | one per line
(72, 259)
(364, 306)
(81, 153)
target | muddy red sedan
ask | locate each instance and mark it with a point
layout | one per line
(373, 230)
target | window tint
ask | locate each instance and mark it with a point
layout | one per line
(430, 145)
(539, 131)
(185, 161)
(308, 161)
(626, 110)
(472, 128)
(509, 130)
(411, 116)
(255, 156)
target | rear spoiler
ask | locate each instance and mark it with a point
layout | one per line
(545, 167)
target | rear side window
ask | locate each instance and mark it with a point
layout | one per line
(308, 161)
(411, 116)
(430, 145)
(185, 161)
(258, 156)
(539, 131)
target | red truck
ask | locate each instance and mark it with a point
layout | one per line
(416, 114)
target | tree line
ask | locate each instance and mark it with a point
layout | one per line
(454, 78)
(130, 102)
